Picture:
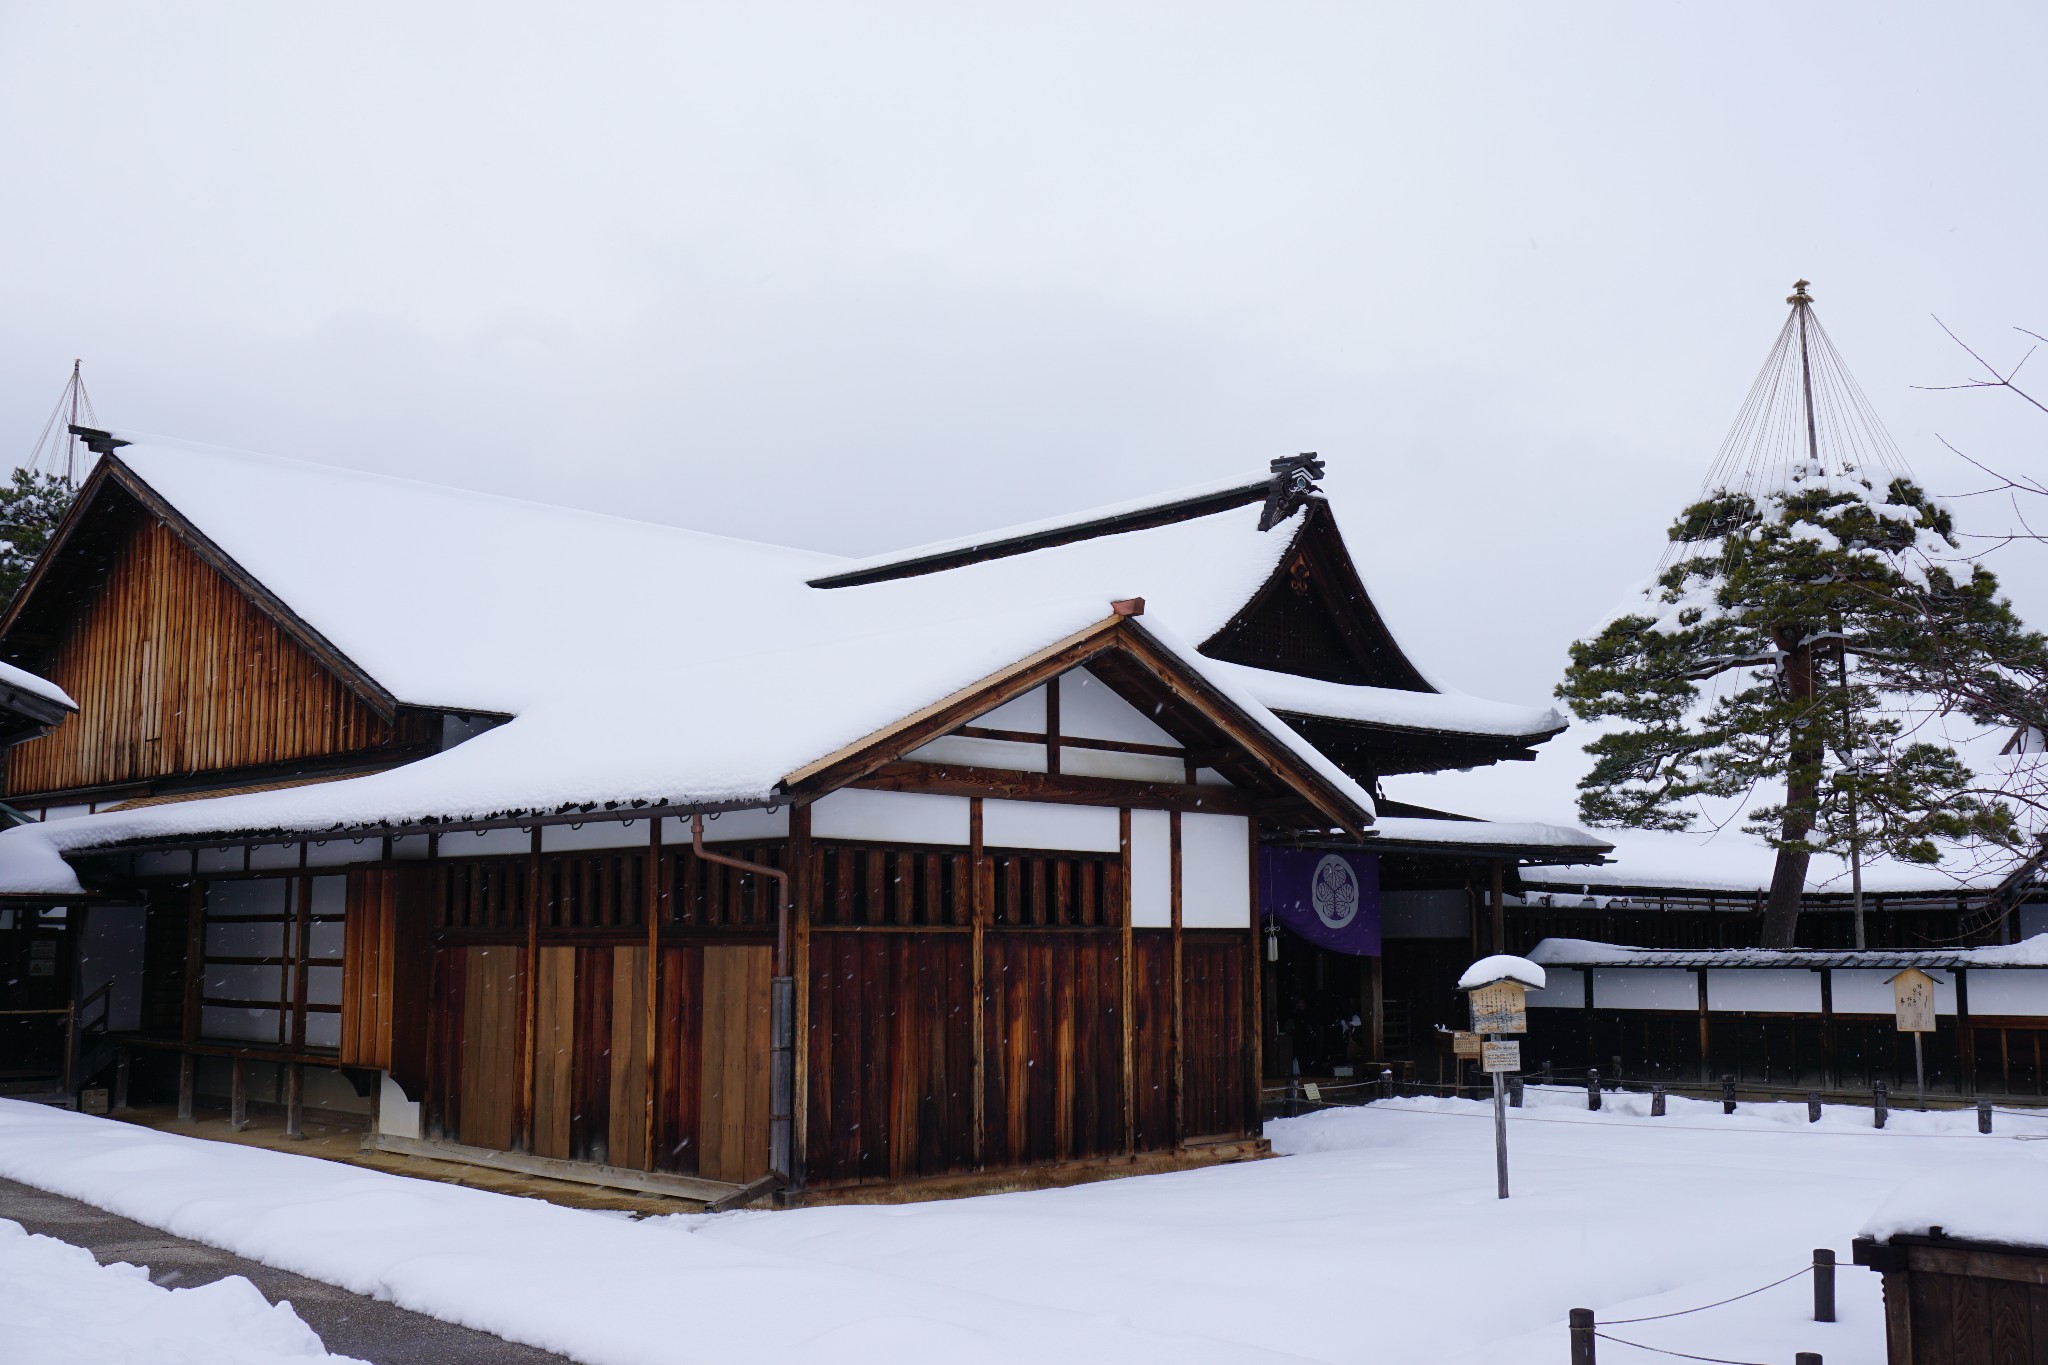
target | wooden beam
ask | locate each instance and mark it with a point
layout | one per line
(978, 914)
(526, 1048)
(1254, 1004)
(195, 957)
(1177, 1036)
(1127, 986)
(651, 898)
(804, 888)
(1052, 724)
(1006, 784)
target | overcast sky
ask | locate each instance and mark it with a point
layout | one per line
(857, 276)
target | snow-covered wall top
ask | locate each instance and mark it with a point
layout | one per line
(1486, 834)
(1579, 952)
(1995, 1196)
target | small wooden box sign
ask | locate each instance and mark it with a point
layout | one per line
(1913, 1000)
(1502, 1007)
(1465, 1044)
(1502, 1057)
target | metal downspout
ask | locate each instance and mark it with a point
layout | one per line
(781, 1008)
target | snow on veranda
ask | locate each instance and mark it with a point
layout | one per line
(58, 1306)
(1376, 1238)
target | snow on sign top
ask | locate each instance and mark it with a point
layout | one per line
(1998, 1196)
(1501, 967)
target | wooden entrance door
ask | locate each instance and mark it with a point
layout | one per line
(484, 1016)
(733, 1079)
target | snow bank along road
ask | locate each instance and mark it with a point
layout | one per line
(1376, 1239)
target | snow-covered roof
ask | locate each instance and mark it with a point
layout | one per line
(1492, 834)
(22, 680)
(1501, 967)
(1733, 863)
(1455, 712)
(1579, 952)
(470, 601)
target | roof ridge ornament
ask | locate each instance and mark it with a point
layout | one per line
(1294, 481)
(97, 441)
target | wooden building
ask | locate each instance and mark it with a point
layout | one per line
(541, 837)
(1792, 1021)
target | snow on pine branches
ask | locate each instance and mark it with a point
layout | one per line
(1778, 659)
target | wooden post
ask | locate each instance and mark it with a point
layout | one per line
(1813, 1106)
(1983, 1116)
(1254, 1004)
(238, 1094)
(1706, 1037)
(978, 919)
(1880, 1103)
(1823, 1284)
(1500, 912)
(527, 1047)
(1376, 1014)
(1656, 1101)
(651, 901)
(302, 931)
(187, 1083)
(802, 895)
(1052, 724)
(294, 1100)
(1128, 1030)
(1177, 1043)
(123, 1060)
(1582, 1337)
(195, 957)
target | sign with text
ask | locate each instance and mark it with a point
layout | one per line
(1502, 1007)
(1502, 1056)
(1465, 1044)
(1332, 899)
(1913, 1000)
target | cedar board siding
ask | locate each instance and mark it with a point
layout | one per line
(175, 672)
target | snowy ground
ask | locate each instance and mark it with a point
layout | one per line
(58, 1306)
(1377, 1239)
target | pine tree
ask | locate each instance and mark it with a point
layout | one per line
(1819, 612)
(31, 505)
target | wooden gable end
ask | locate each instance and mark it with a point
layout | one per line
(176, 670)
(1313, 618)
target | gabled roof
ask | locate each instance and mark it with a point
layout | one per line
(744, 729)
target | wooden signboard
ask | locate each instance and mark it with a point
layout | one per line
(1502, 1007)
(1502, 1057)
(1465, 1044)
(1913, 1000)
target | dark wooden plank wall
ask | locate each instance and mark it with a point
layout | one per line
(175, 672)
(890, 1079)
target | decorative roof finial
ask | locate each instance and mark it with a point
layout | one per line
(1799, 294)
(1294, 479)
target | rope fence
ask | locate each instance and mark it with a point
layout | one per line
(1585, 1327)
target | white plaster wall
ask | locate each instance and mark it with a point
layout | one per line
(485, 842)
(1042, 824)
(2008, 990)
(1151, 870)
(1764, 988)
(1209, 777)
(602, 834)
(1645, 988)
(1018, 713)
(1566, 989)
(341, 852)
(982, 753)
(220, 860)
(274, 856)
(1216, 870)
(730, 826)
(1863, 990)
(397, 1116)
(893, 817)
(1130, 767)
(162, 864)
(1090, 709)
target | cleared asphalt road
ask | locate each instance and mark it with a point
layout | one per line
(350, 1324)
